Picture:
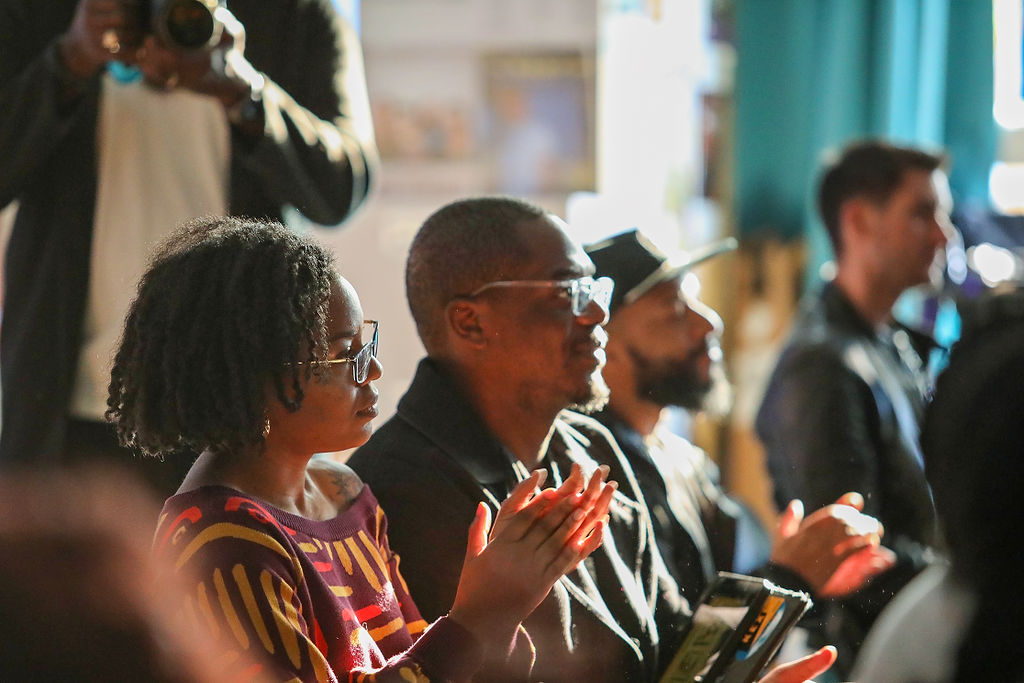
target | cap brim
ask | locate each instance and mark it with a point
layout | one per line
(673, 269)
(708, 251)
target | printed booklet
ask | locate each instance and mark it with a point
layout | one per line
(738, 626)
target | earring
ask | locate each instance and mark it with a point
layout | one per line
(266, 427)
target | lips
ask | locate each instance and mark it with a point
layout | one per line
(370, 411)
(591, 348)
(587, 347)
(596, 339)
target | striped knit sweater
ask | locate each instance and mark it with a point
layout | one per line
(287, 598)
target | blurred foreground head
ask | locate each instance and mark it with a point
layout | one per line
(80, 597)
(971, 440)
(972, 434)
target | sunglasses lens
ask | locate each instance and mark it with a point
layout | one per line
(361, 366)
(587, 291)
(580, 298)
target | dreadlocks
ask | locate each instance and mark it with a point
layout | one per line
(225, 306)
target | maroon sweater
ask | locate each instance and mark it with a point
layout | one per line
(291, 599)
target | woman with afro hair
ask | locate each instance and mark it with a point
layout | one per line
(245, 345)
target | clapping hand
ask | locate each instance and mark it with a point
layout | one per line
(837, 549)
(537, 537)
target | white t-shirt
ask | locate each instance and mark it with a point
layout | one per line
(162, 158)
(918, 634)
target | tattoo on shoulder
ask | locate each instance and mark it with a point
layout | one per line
(347, 485)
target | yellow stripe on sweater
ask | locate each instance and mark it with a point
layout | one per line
(223, 530)
(207, 611)
(368, 572)
(229, 609)
(387, 629)
(284, 626)
(374, 552)
(249, 598)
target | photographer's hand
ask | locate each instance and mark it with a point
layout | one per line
(222, 72)
(101, 30)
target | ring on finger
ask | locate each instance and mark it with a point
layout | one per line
(110, 42)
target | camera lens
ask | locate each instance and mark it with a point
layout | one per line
(187, 24)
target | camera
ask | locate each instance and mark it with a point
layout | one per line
(182, 24)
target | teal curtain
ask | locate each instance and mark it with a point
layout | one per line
(815, 74)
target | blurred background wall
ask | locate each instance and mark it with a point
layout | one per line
(599, 111)
(693, 120)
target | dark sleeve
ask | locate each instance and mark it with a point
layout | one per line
(783, 577)
(40, 102)
(430, 509)
(728, 522)
(429, 526)
(317, 152)
(671, 610)
(820, 427)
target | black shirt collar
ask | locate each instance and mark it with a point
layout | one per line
(438, 409)
(840, 310)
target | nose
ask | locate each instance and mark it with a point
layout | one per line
(703, 320)
(375, 371)
(943, 229)
(594, 314)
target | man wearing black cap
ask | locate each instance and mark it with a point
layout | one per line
(663, 351)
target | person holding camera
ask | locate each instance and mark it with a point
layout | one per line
(120, 119)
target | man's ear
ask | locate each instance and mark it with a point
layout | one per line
(857, 217)
(463, 319)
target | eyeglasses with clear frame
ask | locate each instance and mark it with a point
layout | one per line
(581, 292)
(361, 360)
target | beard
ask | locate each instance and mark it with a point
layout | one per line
(594, 399)
(681, 383)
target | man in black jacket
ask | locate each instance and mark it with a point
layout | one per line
(511, 317)
(842, 408)
(109, 138)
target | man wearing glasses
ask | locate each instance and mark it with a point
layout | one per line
(511, 317)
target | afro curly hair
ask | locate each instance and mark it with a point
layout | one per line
(225, 309)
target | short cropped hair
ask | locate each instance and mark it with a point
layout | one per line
(224, 308)
(872, 170)
(459, 248)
